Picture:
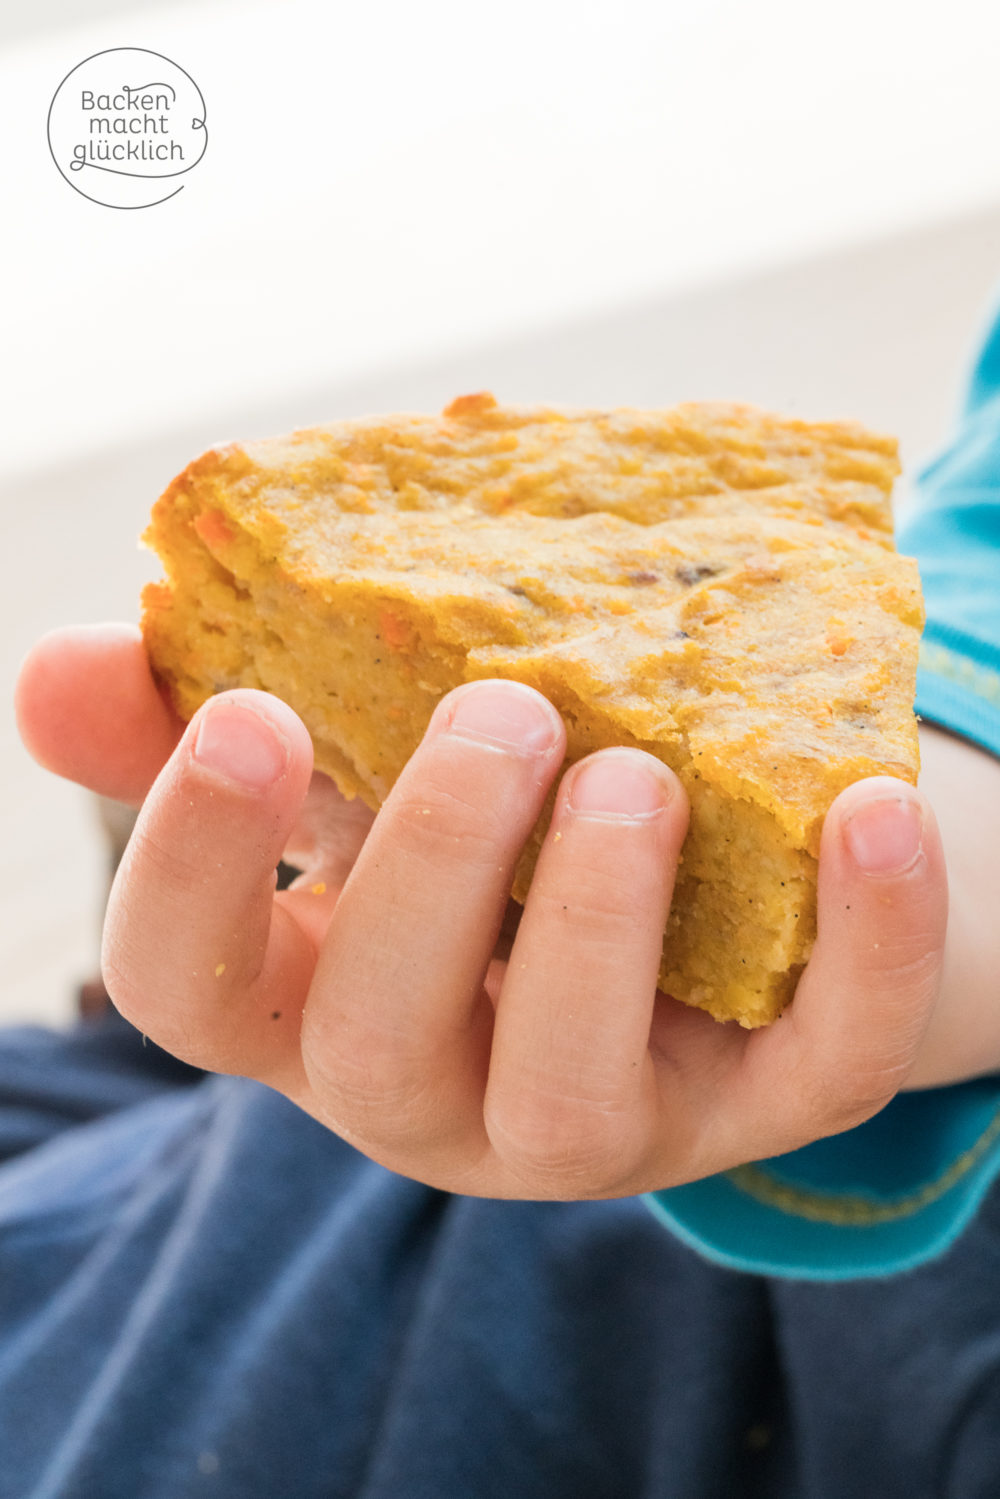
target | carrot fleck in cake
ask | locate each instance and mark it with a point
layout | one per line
(713, 584)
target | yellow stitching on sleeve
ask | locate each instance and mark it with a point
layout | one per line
(942, 662)
(857, 1211)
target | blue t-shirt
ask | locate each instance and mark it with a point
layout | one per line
(205, 1292)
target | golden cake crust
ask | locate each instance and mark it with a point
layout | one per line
(711, 583)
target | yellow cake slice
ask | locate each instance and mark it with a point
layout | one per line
(711, 583)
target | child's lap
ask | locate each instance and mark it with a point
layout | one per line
(204, 1290)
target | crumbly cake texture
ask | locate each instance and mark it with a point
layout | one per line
(710, 583)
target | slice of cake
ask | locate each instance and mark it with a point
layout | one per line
(713, 584)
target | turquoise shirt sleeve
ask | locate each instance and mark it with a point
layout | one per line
(899, 1189)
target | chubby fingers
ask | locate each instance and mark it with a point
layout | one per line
(847, 1043)
(555, 1095)
(88, 709)
(196, 953)
(572, 1103)
(397, 1030)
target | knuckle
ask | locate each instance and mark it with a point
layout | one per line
(374, 1093)
(604, 906)
(175, 866)
(438, 823)
(899, 963)
(560, 1147)
(858, 1092)
(162, 1009)
(153, 1021)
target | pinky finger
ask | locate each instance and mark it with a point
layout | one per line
(863, 1004)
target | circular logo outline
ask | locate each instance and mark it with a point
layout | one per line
(127, 207)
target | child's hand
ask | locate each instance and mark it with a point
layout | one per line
(382, 1009)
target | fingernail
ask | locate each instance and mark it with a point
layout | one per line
(505, 714)
(617, 785)
(240, 745)
(884, 837)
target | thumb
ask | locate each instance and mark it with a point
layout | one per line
(88, 708)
